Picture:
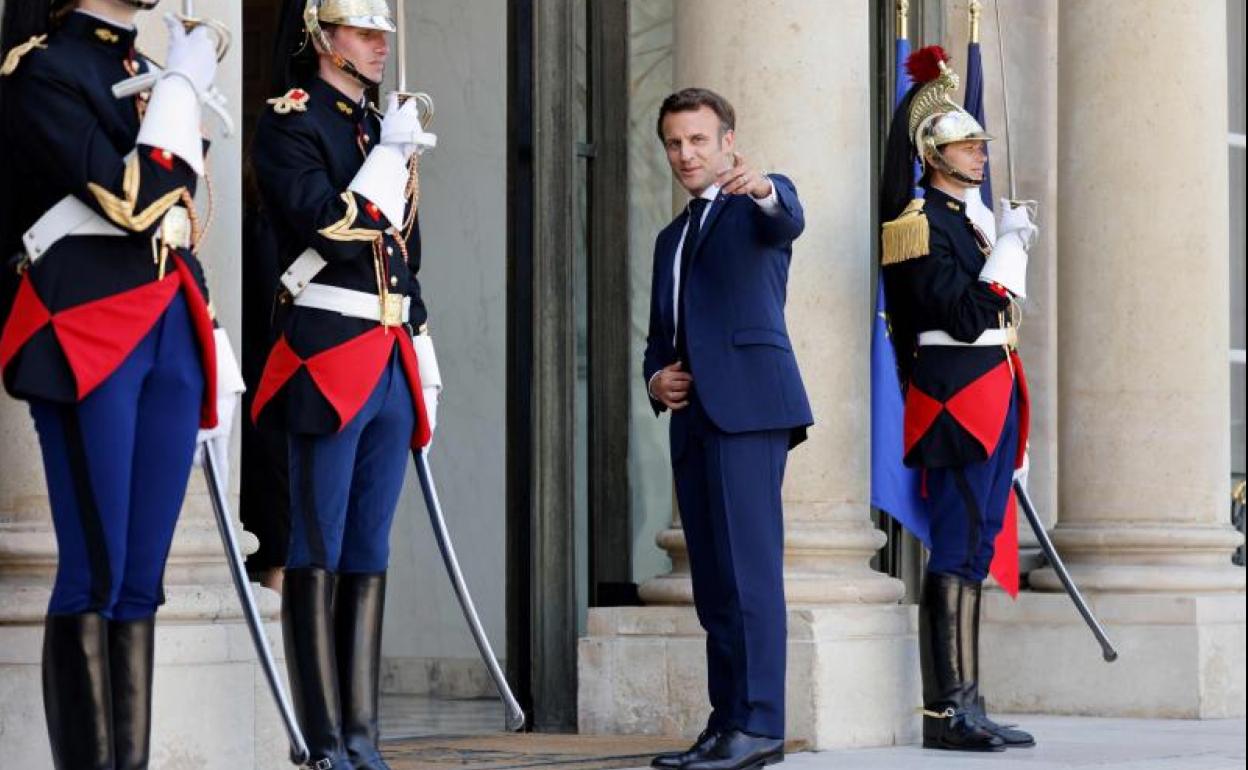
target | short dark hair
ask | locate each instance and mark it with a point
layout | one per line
(692, 99)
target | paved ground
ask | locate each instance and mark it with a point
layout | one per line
(1068, 742)
(1064, 742)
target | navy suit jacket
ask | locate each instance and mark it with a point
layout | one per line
(743, 366)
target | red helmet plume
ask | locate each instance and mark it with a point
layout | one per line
(924, 64)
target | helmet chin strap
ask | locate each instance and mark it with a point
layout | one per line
(937, 160)
(344, 64)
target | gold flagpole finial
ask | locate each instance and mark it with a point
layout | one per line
(973, 11)
(903, 17)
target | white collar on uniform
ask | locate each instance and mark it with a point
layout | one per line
(98, 17)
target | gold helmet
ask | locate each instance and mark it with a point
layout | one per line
(366, 14)
(935, 120)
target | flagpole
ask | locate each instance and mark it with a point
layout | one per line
(974, 10)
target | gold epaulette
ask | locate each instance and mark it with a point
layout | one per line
(15, 54)
(294, 100)
(907, 236)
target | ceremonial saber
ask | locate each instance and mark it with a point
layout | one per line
(514, 719)
(242, 584)
(1005, 100)
(424, 102)
(400, 45)
(1055, 561)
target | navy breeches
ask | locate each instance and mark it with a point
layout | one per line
(116, 465)
(345, 486)
(728, 488)
(967, 506)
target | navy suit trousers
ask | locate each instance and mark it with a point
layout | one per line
(728, 489)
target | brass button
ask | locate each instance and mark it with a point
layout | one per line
(390, 250)
(394, 280)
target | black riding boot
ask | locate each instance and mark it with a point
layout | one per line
(972, 595)
(308, 630)
(77, 693)
(131, 644)
(358, 620)
(949, 718)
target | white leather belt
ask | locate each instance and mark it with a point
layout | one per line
(70, 216)
(990, 338)
(302, 271)
(356, 304)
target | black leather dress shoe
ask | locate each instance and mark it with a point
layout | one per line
(737, 750)
(674, 760)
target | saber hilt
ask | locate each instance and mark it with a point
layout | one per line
(213, 99)
(1055, 561)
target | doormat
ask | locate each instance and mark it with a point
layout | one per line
(527, 750)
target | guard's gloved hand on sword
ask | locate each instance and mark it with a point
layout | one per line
(401, 126)
(172, 121)
(192, 55)
(1016, 232)
(383, 177)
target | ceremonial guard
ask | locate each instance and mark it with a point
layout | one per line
(952, 296)
(108, 334)
(352, 377)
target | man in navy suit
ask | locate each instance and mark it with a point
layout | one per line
(718, 355)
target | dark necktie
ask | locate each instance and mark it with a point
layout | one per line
(696, 208)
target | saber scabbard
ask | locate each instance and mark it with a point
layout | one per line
(1055, 561)
(514, 718)
(255, 625)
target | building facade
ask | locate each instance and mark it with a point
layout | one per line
(539, 210)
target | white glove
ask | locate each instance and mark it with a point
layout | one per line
(430, 377)
(193, 55)
(173, 113)
(382, 178)
(1019, 216)
(1020, 473)
(400, 126)
(229, 385)
(1007, 264)
(431, 396)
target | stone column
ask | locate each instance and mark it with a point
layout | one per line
(211, 706)
(1143, 401)
(798, 75)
